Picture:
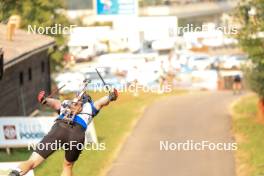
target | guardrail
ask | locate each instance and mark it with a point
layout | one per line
(189, 10)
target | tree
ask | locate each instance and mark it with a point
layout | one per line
(42, 13)
(251, 39)
(150, 2)
(79, 4)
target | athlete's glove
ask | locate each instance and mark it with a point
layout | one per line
(113, 95)
(14, 173)
(42, 97)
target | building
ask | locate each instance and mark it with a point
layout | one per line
(26, 71)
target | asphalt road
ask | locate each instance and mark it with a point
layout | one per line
(198, 117)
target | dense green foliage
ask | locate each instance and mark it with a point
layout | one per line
(249, 134)
(252, 41)
(79, 4)
(42, 13)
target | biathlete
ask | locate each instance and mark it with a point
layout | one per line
(237, 84)
(65, 131)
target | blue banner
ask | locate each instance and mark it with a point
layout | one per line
(116, 7)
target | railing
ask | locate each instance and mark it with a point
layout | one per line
(179, 2)
(190, 10)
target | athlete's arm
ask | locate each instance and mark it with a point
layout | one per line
(51, 102)
(104, 101)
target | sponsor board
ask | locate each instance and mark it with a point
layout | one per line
(24, 131)
(116, 7)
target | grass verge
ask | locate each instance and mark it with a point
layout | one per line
(250, 137)
(112, 124)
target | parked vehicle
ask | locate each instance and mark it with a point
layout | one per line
(84, 53)
(96, 82)
(199, 62)
(71, 80)
(234, 61)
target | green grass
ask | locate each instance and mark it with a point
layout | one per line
(112, 124)
(251, 147)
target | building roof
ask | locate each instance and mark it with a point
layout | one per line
(23, 44)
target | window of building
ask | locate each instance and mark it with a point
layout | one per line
(21, 78)
(42, 66)
(29, 74)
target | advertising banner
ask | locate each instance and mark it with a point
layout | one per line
(24, 131)
(116, 7)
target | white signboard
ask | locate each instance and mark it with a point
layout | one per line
(206, 79)
(6, 167)
(24, 131)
